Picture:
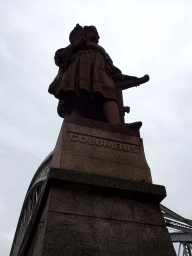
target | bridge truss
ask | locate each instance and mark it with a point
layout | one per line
(180, 230)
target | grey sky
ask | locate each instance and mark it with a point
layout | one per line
(142, 37)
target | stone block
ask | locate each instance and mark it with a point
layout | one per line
(96, 148)
(88, 220)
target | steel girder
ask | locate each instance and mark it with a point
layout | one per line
(180, 230)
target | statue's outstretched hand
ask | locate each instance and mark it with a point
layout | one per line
(121, 77)
(131, 81)
(126, 77)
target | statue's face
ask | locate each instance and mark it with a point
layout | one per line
(92, 36)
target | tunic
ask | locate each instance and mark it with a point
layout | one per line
(91, 70)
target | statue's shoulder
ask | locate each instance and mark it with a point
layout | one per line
(60, 50)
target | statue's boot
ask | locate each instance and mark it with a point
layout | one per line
(135, 125)
(119, 127)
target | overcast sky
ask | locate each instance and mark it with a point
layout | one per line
(142, 37)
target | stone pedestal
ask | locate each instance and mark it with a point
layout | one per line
(99, 148)
(99, 198)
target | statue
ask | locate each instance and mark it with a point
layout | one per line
(88, 84)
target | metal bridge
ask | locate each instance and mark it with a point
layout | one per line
(180, 229)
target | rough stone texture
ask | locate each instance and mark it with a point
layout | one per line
(101, 202)
(100, 150)
(142, 188)
(80, 235)
(82, 219)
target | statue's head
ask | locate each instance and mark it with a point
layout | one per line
(92, 33)
(80, 33)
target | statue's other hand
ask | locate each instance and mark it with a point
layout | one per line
(78, 40)
(79, 44)
(63, 65)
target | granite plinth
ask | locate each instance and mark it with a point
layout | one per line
(84, 219)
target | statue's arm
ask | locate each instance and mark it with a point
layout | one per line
(124, 81)
(116, 73)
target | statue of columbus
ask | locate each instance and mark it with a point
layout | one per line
(86, 81)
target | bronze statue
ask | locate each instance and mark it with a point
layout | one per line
(88, 84)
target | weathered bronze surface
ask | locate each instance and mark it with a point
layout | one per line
(88, 84)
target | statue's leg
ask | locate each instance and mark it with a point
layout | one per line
(111, 111)
(77, 109)
(76, 112)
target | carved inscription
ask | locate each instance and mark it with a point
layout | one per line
(100, 142)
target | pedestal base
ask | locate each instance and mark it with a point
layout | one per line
(87, 219)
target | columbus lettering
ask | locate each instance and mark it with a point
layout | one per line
(100, 142)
